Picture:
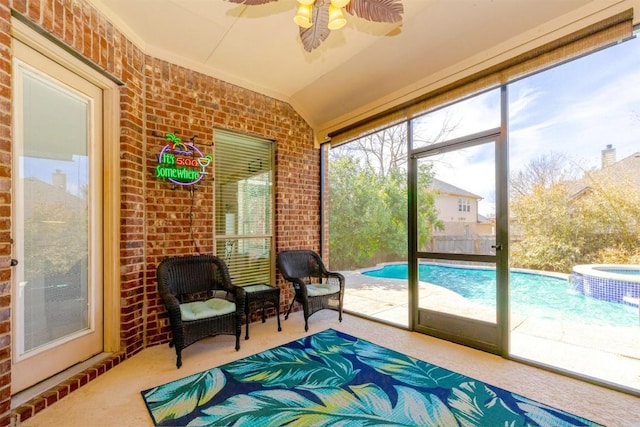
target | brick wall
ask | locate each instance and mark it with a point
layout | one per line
(188, 103)
(156, 98)
(5, 209)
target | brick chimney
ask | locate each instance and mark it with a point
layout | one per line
(608, 156)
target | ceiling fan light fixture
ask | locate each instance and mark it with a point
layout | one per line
(336, 18)
(303, 17)
(329, 15)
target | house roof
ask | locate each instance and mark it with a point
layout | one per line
(360, 70)
(624, 172)
(484, 220)
(446, 188)
(43, 193)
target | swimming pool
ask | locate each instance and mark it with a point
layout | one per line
(531, 295)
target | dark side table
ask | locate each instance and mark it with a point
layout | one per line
(260, 295)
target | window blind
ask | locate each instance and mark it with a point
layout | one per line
(244, 206)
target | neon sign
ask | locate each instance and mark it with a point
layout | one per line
(181, 162)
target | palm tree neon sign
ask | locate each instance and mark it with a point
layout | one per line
(181, 162)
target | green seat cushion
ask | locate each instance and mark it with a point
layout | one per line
(317, 289)
(257, 288)
(203, 309)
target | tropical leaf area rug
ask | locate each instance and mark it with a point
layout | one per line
(333, 379)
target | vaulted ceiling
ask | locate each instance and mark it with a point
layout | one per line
(360, 69)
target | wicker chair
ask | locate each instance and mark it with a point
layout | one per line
(200, 299)
(315, 287)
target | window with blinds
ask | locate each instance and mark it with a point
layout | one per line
(244, 206)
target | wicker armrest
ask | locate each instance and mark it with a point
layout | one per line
(299, 285)
(170, 301)
(336, 275)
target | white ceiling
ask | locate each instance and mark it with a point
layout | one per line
(360, 69)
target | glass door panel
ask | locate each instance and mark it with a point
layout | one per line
(456, 243)
(57, 309)
(465, 289)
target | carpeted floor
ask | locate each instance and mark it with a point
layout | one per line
(331, 378)
(114, 398)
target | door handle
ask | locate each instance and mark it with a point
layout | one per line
(497, 247)
(14, 262)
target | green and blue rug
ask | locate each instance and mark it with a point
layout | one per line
(332, 378)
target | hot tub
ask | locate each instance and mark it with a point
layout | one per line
(609, 282)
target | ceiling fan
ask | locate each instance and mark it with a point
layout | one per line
(316, 18)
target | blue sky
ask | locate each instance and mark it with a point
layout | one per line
(576, 109)
(580, 107)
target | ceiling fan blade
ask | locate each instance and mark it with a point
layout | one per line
(312, 37)
(377, 10)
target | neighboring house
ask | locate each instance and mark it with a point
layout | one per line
(55, 193)
(486, 226)
(465, 230)
(458, 210)
(624, 173)
(51, 210)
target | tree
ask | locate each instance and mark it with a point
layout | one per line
(64, 224)
(543, 172)
(545, 237)
(368, 200)
(428, 218)
(354, 208)
(558, 222)
(380, 152)
(608, 215)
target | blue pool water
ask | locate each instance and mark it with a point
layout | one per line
(532, 295)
